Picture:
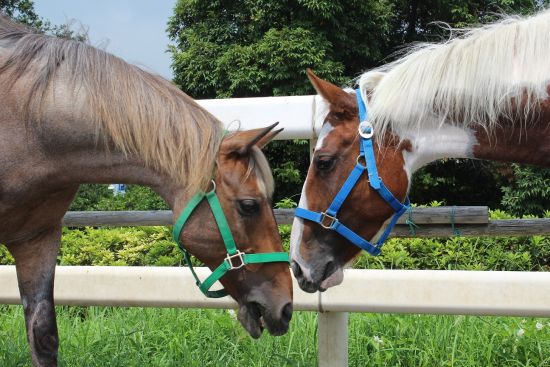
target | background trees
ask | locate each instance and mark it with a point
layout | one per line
(23, 11)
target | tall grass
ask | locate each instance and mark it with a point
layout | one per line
(105, 336)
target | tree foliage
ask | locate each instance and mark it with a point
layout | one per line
(529, 192)
(23, 11)
(100, 197)
(262, 47)
(258, 47)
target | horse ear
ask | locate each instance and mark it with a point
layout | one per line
(340, 102)
(243, 141)
(370, 80)
(268, 138)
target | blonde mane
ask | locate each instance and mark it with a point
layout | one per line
(143, 114)
(473, 80)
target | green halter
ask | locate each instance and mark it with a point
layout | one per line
(235, 259)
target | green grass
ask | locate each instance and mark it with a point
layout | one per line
(104, 336)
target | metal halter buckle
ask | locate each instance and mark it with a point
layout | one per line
(239, 255)
(330, 217)
(365, 129)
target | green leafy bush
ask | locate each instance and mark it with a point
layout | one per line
(151, 246)
(529, 192)
(464, 253)
(99, 197)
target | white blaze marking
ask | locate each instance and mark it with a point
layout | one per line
(298, 223)
(296, 237)
(325, 130)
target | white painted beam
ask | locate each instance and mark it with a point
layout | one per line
(295, 114)
(510, 293)
(396, 291)
(332, 339)
(130, 286)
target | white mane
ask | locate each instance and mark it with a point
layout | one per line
(472, 80)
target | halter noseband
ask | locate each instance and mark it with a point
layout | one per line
(328, 219)
(235, 259)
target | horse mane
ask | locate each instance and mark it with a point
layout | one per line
(143, 114)
(483, 77)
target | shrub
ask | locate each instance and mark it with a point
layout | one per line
(529, 193)
(99, 197)
(119, 246)
(464, 253)
(153, 246)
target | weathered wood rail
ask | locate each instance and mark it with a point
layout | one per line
(428, 222)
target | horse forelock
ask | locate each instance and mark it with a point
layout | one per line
(260, 166)
(143, 114)
(474, 80)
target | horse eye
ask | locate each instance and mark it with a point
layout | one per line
(324, 163)
(248, 207)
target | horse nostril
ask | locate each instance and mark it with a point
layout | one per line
(329, 269)
(296, 269)
(286, 314)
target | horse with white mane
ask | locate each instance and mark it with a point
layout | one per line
(482, 95)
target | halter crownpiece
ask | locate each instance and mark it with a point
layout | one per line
(329, 218)
(235, 259)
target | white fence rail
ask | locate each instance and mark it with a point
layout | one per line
(389, 291)
(297, 115)
(398, 291)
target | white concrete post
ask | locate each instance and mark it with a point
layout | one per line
(332, 339)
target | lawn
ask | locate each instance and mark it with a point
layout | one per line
(106, 336)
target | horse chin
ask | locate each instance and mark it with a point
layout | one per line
(333, 279)
(254, 319)
(250, 317)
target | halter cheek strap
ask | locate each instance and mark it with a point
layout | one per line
(328, 219)
(234, 259)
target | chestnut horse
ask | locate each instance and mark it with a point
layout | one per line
(483, 95)
(72, 114)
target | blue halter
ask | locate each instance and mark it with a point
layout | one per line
(328, 219)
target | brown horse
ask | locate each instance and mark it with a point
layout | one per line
(483, 95)
(72, 114)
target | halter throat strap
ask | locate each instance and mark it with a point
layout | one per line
(329, 218)
(234, 259)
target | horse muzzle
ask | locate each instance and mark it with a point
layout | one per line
(257, 316)
(319, 277)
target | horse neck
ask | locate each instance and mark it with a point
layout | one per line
(427, 145)
(77, 153)
(512, 143)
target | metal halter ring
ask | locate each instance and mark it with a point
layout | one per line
(213, 186)
(366, 130)
(359, 163)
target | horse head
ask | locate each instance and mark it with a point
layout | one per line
(318, 252)
(244, 185)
